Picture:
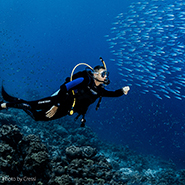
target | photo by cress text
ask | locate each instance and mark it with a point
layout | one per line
(18, 179)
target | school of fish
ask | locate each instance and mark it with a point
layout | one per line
(148, 44)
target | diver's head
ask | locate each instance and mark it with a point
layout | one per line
(100, 75)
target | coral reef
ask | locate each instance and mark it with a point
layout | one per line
(22, 156)
(38, 154)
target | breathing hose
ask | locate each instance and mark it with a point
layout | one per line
(71, 112)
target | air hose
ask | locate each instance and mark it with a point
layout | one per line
(71, 112)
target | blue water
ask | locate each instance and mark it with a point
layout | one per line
(41, 42)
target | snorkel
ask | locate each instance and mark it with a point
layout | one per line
(106, 81)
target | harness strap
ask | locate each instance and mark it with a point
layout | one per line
(99, 102)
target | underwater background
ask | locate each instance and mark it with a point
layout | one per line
(41, 42)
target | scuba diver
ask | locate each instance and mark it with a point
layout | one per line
(74, 96)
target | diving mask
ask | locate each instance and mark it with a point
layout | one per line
(103, 73)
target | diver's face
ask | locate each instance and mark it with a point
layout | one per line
(100, 75)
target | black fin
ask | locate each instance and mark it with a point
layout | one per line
(7, 97)
(29, 112)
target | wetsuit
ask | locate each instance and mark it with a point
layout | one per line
(86, 93)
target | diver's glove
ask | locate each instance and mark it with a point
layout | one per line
(51, 112)
(126, 89)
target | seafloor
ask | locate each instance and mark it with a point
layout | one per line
(62, 153)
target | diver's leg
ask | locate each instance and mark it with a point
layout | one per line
(35, 109)
(17, 104)
(35, 114)
(22, 105)
(44, 103)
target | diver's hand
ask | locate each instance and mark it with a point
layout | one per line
(126, 89)
(51, 112)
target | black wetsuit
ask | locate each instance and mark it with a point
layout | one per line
(86, 93)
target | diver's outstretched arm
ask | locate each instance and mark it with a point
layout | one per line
(116, 93)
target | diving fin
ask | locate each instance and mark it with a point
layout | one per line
(9, 98)
(27, 108)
